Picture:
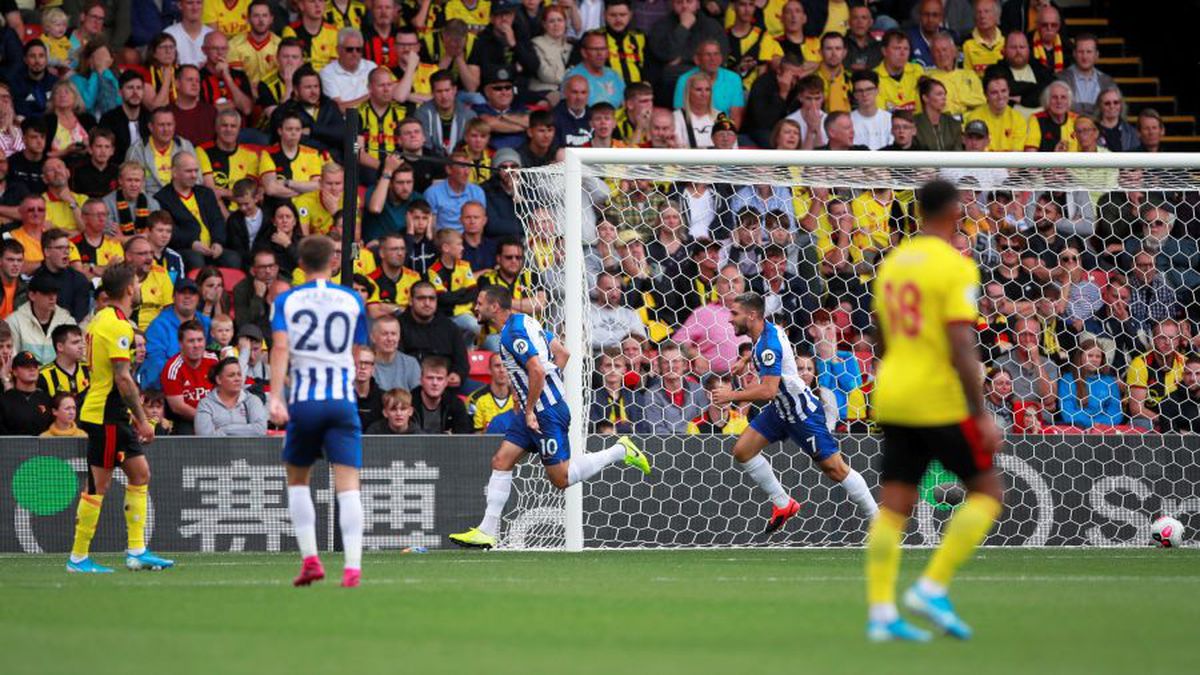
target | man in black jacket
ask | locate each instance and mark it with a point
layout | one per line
(130, 117)
(770, 100)
(424, 333)
(25, 409)
(499, 45)
(199, 241)
(74, 290)
(323, 131)
(435, 409)
(1017, 66)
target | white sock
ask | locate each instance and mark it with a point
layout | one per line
(760, 470)
(883, 612)
(350, 520)
(498, 488)
(930, 588)
(856, 487)
(304, 519)
(589, 464)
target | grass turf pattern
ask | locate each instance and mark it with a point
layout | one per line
(702, 611)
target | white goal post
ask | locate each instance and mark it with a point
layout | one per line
(559, 196)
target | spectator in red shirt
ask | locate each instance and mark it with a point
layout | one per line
(185, 377)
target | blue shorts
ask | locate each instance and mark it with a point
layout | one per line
(552, 444)
(810, 434)
(323, 428)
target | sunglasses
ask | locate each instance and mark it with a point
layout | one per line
(352, 49)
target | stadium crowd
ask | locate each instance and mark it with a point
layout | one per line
(199, 141)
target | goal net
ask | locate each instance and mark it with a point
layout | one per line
(1089, 264)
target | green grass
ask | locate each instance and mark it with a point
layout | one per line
(716, 611)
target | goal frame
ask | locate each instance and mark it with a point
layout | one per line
(578, 159)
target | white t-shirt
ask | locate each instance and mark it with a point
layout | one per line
(822, 139)
(874, 132)
(343, 85)
(701, 212)
(189, 50)
(701, 127)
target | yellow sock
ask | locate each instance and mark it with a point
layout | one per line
(87, 515)
(883, 557)
(966, 530)
(135, 516)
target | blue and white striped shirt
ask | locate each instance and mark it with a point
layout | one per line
(521, 339)
(322, 321)
(773, 355)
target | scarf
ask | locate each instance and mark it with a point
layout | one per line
(1056, 63)
(130, 221)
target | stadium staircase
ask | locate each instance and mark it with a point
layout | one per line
(1141, 88)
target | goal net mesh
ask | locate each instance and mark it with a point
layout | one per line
(1085, 327)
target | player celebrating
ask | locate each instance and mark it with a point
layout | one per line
(794, 412)
(928, 401)
(313, 326)
(112, 441)
(533, 361)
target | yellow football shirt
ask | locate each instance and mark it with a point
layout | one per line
(483, 406)
(314, 217)
(305, 166)
(978, 54)
(476, 17)
(256, 59)
(964, 91)
(772, 14)
(61, 214)
(320, 49)
(162, 162)
(1162, 385)
(228, 17)
(353, 16)
(923, 286)
(109, 338)
(157, 292)
(1006, 131)
(872, 217)
(1042, 133)
(899, 94)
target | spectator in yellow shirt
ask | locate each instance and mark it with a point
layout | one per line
(986, 44)
(1006, 126)
(897, 77)
(963, 88)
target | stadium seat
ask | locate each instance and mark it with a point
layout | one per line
(479, 359)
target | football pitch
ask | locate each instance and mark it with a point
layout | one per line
(711, 611)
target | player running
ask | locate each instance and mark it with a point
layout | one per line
(928, 401)
(794, 412)
(314, 326)
(534, 363)
(112, 441)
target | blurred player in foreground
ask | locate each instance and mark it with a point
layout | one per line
(794, 412)
(111, 400)
(315, 326)
(928, 401)
(534, 360)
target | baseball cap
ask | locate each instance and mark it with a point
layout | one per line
(723, 123)
(250, 331)
(496, 75)
(505, 6)
(43, 283)
(25, 359)
(976, 128)
(186, 285)
(506, 156)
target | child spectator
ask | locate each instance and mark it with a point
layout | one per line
(495, 399)
(63, 410)
(221, 333)
(155, 405)
(1087, 390)
(397, 415)
(54, 36)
